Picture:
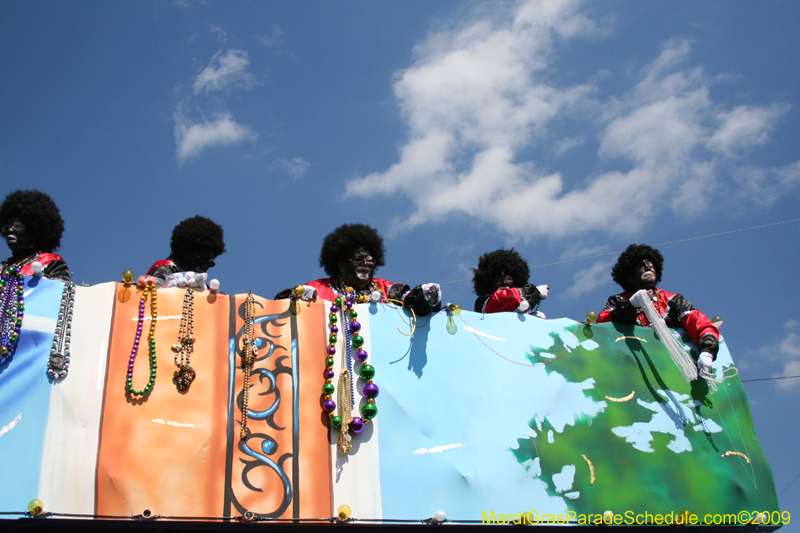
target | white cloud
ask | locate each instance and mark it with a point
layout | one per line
(477, 96)
(567, 143)
(589, 279)
(662, 126)
(224, 71)
(787, 351)
(273, 39)
(790, 345)
(792, 368)
(194, 134)
(578, 251)
(744, 127)
(294, 167)
(222, 36)
(764, 186)
(186, 4)
(191, 139)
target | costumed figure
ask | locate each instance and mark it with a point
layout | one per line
(638, 271)
(32, 228)
(350, 255)
(196, 242)
(501, 283)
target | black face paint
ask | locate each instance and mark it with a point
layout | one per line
(502, 281)
(357, 271)
(643, 276)
(200, 260)
(17, 236)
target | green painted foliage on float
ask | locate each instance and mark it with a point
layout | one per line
(556, 396)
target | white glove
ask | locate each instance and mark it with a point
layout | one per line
(432, 293)
(544, 290)
(524, 306)
(639, 298)
(193, 280)
(310, 294)
(538, 314)
(705, 362)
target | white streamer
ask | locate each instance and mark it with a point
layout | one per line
(714, 379)
(679, 356)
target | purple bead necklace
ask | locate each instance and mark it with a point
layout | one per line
(12, 310)
(151, 341)
(344, 420)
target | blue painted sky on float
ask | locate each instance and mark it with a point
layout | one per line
(564, 129)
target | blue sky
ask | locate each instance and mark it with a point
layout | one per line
(565, 129)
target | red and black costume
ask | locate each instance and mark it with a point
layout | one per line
(162, 269)
(325, 289)
(501, 282)
(53, 265)
(331, 288)
(508, 299)
(33, 217)
(676, 311)
(353, 252)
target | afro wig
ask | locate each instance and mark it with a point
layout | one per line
(340, 244)
(492, 264)
(40, 215)
(629, 260)
(195, 233)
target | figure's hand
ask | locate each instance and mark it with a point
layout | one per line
(640, 297)
(624, 313)
(531, 296)
(705, 362)
(192, 280)
(432, 293)
(423, 299)
(309, 293)
(544, 290)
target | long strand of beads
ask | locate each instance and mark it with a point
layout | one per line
(185, 374)
(5, 294)
(346, 387)
(347, 315)
(367, 372)
(328, 405)
(344, 420)
(679, 356)
(12, 310)
(58, 363)
(249, 352)
(345, 408)
(151, 341)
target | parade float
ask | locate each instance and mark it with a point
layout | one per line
(126, 405)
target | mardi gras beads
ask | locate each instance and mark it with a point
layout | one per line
(344, 421)
(149, 288)
(185, 374)
(58, 362)
(249, 353)
(12, 310)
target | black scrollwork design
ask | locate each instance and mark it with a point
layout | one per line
(258, 448)
(268, 447)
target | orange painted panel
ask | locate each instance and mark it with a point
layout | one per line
(316, 496)
(165, 451)
(179, 454)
